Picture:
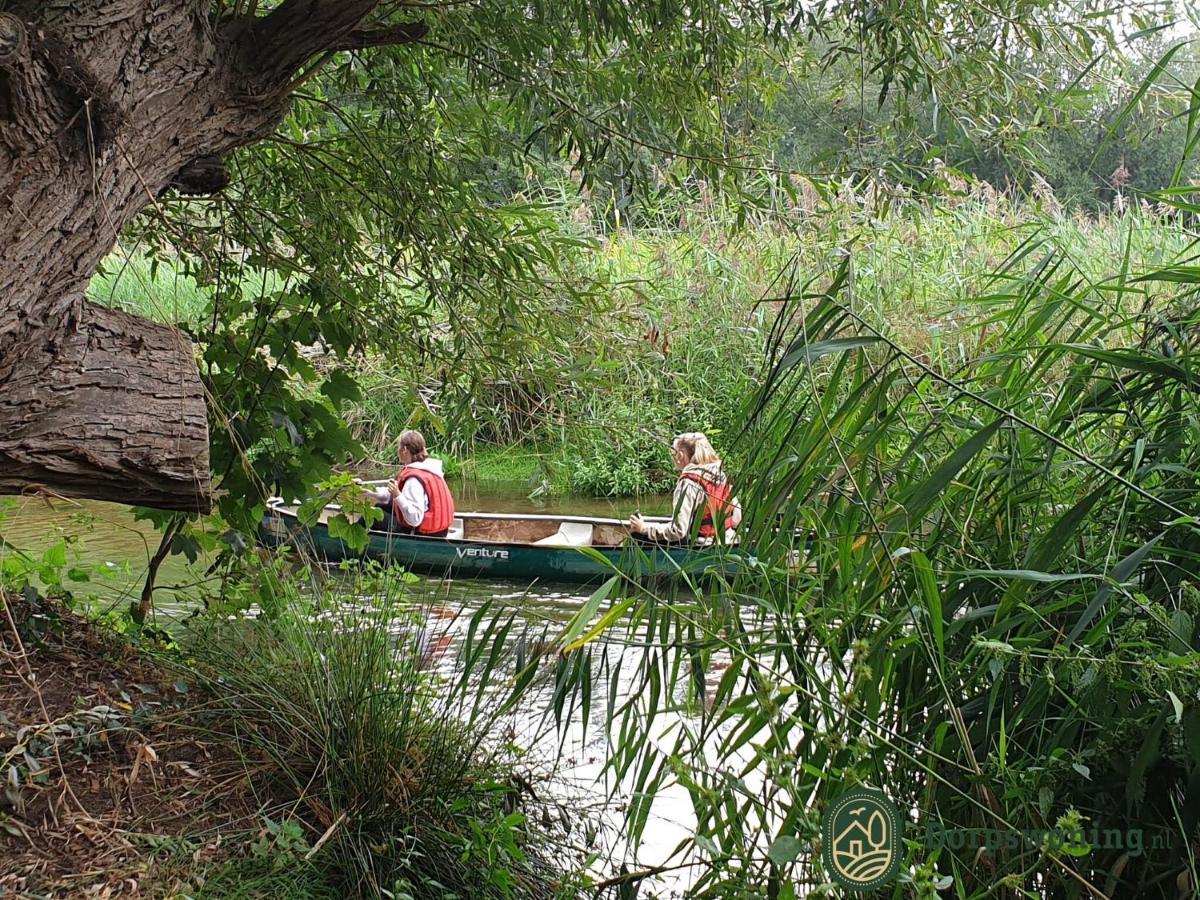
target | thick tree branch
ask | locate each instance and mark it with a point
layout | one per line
(279, 44)
(98, 403)
(405, 33)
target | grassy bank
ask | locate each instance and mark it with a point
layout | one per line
(690, 308)
(400, 775)
(317, 754)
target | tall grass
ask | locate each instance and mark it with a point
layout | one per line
(687, 315)
(157, 286)
(158, 289)
(392, 779)
(995, 617)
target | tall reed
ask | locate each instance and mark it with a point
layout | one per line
(994, 616)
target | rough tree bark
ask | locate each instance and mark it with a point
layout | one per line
(104, 104)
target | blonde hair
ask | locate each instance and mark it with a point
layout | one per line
(414, 443)
(695, 446)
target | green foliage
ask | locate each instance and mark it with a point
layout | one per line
(282, 843)
(150, 285)
(259, 878)
(505, 465)
(389, 774)
(588, 399)
(356, 513)
(1070, 123)
(618, 467)
(993, 616)
(57, 577)
(600, 427)
(391, 215)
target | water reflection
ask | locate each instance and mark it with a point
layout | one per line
(572, 758)
(107, 537)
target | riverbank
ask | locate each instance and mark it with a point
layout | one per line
(306, 757)
(108, 791)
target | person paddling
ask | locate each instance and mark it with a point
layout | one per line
(703, 490)
(417, 500)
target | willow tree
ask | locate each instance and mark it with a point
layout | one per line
(109, 108)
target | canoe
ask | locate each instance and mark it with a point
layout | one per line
(510, 546)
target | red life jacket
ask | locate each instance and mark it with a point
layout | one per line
(440, 514)
(717, 502)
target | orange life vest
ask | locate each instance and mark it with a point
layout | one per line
(716, 502)
(440, 514)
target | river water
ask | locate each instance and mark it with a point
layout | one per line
(114, 544)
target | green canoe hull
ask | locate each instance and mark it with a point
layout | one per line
(499, 560)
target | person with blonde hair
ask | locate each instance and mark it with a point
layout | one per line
(702, 493)
(417, 500)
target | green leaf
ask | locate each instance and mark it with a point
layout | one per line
(341, 387)
(928, 587)
(186, 545)
(579, 621)
(353, 534)
(1135, 786)
(55, 556)
(1120, 573)
(925, 493)
(614, 612)
(1047, 550)
(808, 353)
(784, 849)
(1030, 575)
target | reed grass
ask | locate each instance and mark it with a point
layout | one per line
(395, 780)
(690, 281)
(994, 619)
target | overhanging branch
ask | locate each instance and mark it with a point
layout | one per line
(279, 44)
(405, 33)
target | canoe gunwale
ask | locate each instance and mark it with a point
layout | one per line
(281, 507)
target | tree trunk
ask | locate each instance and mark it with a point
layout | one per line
(103, 105)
